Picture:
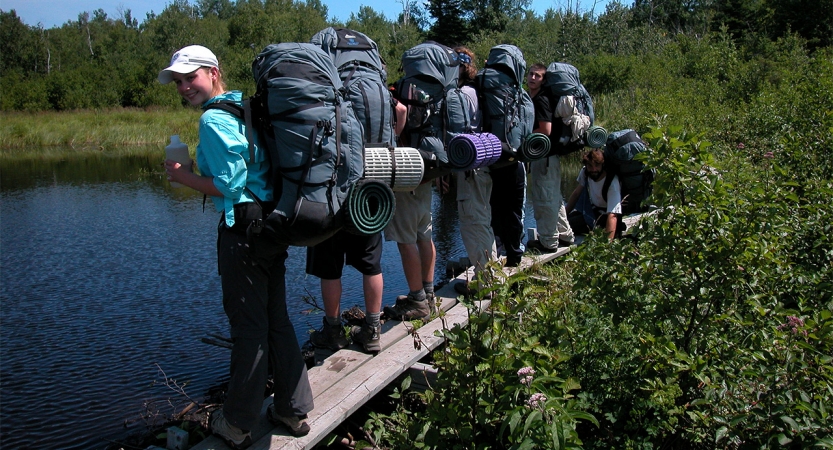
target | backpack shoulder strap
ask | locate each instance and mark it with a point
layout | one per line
(243, 113)
(606, 185)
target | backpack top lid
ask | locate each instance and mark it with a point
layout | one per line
(433, 61)
(296, 60)
(509, 60)
(563, 79)
(346, 46)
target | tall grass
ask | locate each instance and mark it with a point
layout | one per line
(116, 131)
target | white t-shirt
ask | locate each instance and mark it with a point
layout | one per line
(614, 193)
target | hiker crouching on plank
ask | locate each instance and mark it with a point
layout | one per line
(597, 200)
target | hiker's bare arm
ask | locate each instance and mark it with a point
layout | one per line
(401, 116)
(610, 226)
(544, 128)
(183, 175)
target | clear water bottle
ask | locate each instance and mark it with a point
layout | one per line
(178, 151)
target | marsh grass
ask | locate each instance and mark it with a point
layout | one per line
(116, 132)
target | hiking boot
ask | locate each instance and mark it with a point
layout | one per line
(329, 336)
(233, 437)
(535, 246)
(407, 309)
(368, 336)
(297, 425)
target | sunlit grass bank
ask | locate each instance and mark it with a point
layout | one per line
(112, 131)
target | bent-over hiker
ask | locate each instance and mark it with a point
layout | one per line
(597, 200)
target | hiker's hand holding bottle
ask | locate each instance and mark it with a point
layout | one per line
(178, 171)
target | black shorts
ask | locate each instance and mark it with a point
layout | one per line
(327, 259)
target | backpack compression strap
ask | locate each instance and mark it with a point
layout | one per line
(305, 168)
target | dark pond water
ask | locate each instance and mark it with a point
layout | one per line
(108, 276)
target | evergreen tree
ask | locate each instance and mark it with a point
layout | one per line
(451, 25)
(810, 19)
(493, 16)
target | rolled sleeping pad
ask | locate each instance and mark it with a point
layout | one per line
(534, 147)
(462, 152)
(497, 148)
(473, 150)
(401, 168)
(370, 207)
(596, 137)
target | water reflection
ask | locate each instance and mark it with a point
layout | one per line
(107, 271)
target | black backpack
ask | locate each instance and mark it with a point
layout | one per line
(363, 75)
(620, 151)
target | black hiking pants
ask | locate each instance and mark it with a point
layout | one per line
(254, 299)
(507, 201)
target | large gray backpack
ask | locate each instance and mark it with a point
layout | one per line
(356, 57)
(563, 79)
(313, 139)
(635, 178)
(437, 110)
(508, 112)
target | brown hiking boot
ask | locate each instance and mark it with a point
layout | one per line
(329, 336)
(297, 425)
(368, 336)
(407, 308)
(233, 437)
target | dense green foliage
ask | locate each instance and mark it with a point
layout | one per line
(713, 328)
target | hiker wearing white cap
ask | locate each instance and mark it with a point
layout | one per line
(252, 272)
(187, 60)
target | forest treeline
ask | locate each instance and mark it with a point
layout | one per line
(99, 61)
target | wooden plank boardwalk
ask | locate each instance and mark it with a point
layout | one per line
(345, 380)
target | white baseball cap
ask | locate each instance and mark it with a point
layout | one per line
(187, 60)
